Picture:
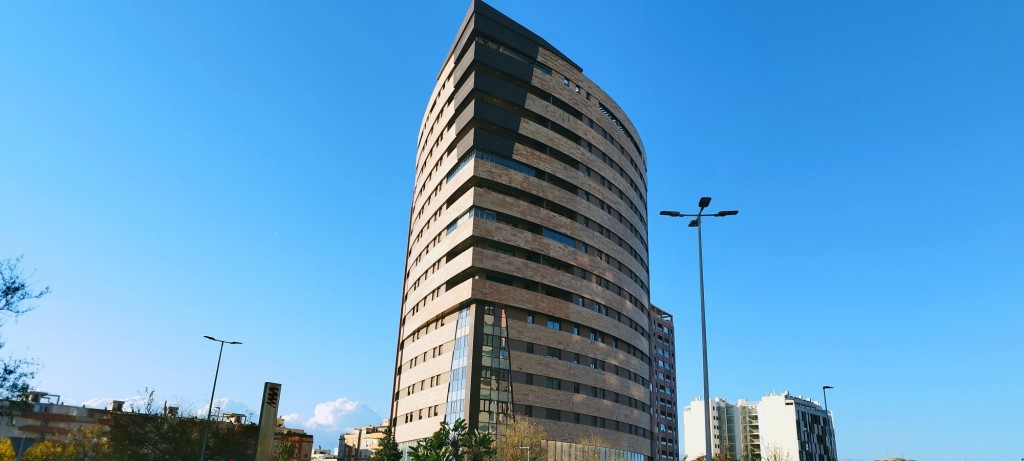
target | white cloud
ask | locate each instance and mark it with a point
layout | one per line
(331, 419)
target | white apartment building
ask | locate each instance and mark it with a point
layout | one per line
(780, 427)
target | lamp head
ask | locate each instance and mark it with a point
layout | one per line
(827, 387)
(670, 213)
(211, 338)
(694, 223)
(234, 342)
(704, 202)
(727, 213)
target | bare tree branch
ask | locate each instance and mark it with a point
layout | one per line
(15, 289)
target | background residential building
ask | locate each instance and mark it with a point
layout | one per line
(361, 443)
(526, 283)
(778, 426)
(664, 402)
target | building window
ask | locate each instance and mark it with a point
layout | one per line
(554, 323)
(529, 318)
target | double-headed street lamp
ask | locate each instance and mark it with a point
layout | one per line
(703, 203)
(209, 411)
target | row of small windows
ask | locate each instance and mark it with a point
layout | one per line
(510, 52)
(575, 329)
(504, 105)
(546, 96)
(422, 330)
(421, 358)
(573, 137)
(581, 418)
(615, 121)
(473, 212)
(578, 359)
(551, 179)
(586, 248)
(557, 181)
(558, 293)
(416, 415)
(577, 244)
(420, 386)
(572, 111)
(600, 130)
(556, 236)
(579, 388)
(662, 427)
(559, 209)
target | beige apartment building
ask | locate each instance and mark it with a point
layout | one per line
(526, 283)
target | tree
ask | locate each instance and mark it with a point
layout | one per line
(478, 446)
(388, 450)
(593, 448)
(49, 450)
(152, 435)
(717, 457)
(15, 292)
(454, 443)
(772, 452)
(14, 289)
(438, 446)
(89, 443)
(7, 450)
(286, 451)
(521, 440)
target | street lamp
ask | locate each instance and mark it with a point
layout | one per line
(828, 418)
(702, 204)
(209, 411)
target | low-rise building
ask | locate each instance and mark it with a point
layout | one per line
(297, 443)
(361, 443)
(41, 416)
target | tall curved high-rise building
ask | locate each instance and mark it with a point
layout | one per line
(526, 283)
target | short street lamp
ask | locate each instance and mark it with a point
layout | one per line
(702, 204)
(209, 411)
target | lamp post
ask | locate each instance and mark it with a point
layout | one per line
(828, 418)
(702, 204)
(209, 410)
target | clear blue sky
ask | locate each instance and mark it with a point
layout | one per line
(244, 170)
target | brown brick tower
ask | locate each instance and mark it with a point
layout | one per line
(526, 284)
